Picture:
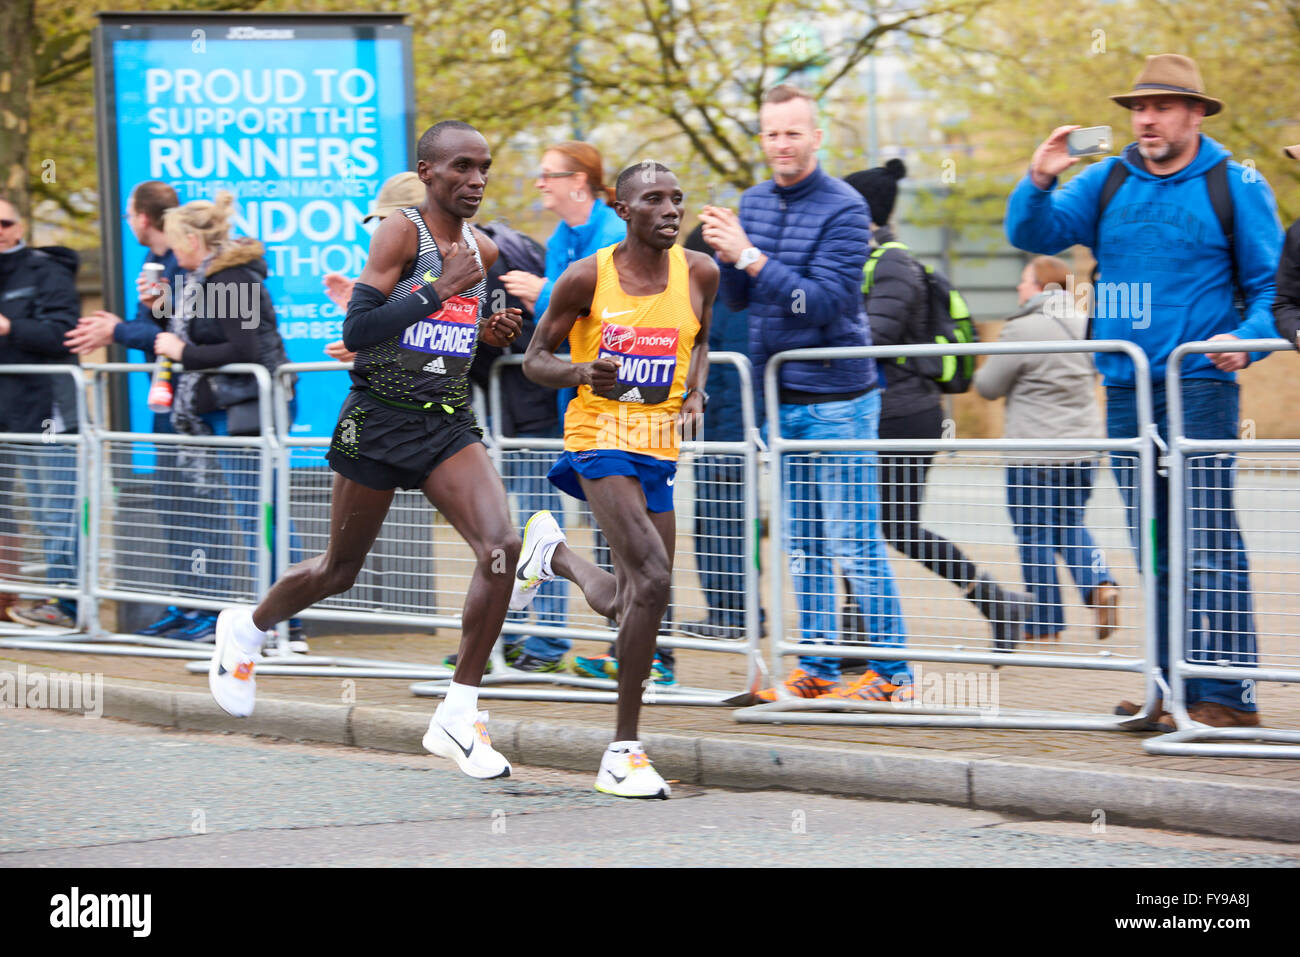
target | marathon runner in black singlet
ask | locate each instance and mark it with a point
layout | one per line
(414, 321)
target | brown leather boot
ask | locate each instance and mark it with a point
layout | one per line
(1104, 600)
(1128, 708)
(1221, 716)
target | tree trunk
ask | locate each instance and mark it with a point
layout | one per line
(17, 69)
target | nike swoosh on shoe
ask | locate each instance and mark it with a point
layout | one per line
(463, 750)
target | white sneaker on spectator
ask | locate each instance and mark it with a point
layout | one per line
(541, 536)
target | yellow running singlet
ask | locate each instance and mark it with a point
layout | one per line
(651, 337)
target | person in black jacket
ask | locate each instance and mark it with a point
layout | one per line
(145, 207)
(222, 314)
(898, 309)
(1286, 303)
(38, 305)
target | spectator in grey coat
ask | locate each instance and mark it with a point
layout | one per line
(1051, 396)
(897, 301)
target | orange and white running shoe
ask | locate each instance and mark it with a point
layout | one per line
(230, 673)
(800, 684)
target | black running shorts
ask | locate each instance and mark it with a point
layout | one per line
(382, 448)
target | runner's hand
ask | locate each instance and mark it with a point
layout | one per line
(601, 375)
(503, 327)
(691, 418)
(460, 272)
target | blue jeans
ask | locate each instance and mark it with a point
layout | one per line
(49, 474)
(1219, 606)
(720, 535)
(832, 516)
(1047, 504)
(525, 477)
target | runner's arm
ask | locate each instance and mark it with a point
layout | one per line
(570, 299)
(704, 277)
(370, 319)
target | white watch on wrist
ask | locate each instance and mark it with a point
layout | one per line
(748, 257)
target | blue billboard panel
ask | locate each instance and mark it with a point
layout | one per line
(302, 123)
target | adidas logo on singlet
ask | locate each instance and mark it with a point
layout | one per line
(631, 395)
(437, 365)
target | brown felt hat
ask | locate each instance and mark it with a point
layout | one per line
(1169, 73)
(1292, 151)
(404, 189)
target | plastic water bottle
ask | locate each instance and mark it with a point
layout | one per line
(160, 390)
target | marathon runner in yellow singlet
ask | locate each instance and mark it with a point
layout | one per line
(636, 316)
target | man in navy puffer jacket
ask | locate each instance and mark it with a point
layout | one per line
(794, 258)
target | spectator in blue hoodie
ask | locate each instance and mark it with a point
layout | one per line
(1168, 272)
(794, 257)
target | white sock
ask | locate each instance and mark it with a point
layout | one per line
(461, 702)
(247, 635)
(625, 746)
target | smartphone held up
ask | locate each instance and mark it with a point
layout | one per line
(1088, 141)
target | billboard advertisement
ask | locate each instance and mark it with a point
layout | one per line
(302, 118)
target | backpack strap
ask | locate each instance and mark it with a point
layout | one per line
(869, 270)
(1216, 183)
(1114, 180)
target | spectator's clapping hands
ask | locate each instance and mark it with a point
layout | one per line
(722, 231)
(91, 332)
(338, 288)
(337, 350)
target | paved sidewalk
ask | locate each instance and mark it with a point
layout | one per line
(1051, 773)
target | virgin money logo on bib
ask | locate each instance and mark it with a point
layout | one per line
(451, 331)
(616, 338)
(647, 359)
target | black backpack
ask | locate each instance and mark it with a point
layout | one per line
(948, 321)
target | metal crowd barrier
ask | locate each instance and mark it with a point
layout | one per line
(41, 547)
(727, 470)
(173, 519)
(1228, 622)
(884, 608)
(403, 581)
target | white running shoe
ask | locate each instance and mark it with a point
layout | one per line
(627, 772)
(541, 535)
(468, 745)
(230, 673)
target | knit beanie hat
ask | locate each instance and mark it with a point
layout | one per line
(879, 187)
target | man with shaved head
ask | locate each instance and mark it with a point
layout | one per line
(414, 322)
(794, 258)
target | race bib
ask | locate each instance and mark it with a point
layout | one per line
(442, 344)
(647, 360)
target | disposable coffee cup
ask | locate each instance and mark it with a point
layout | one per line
(152, 273)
